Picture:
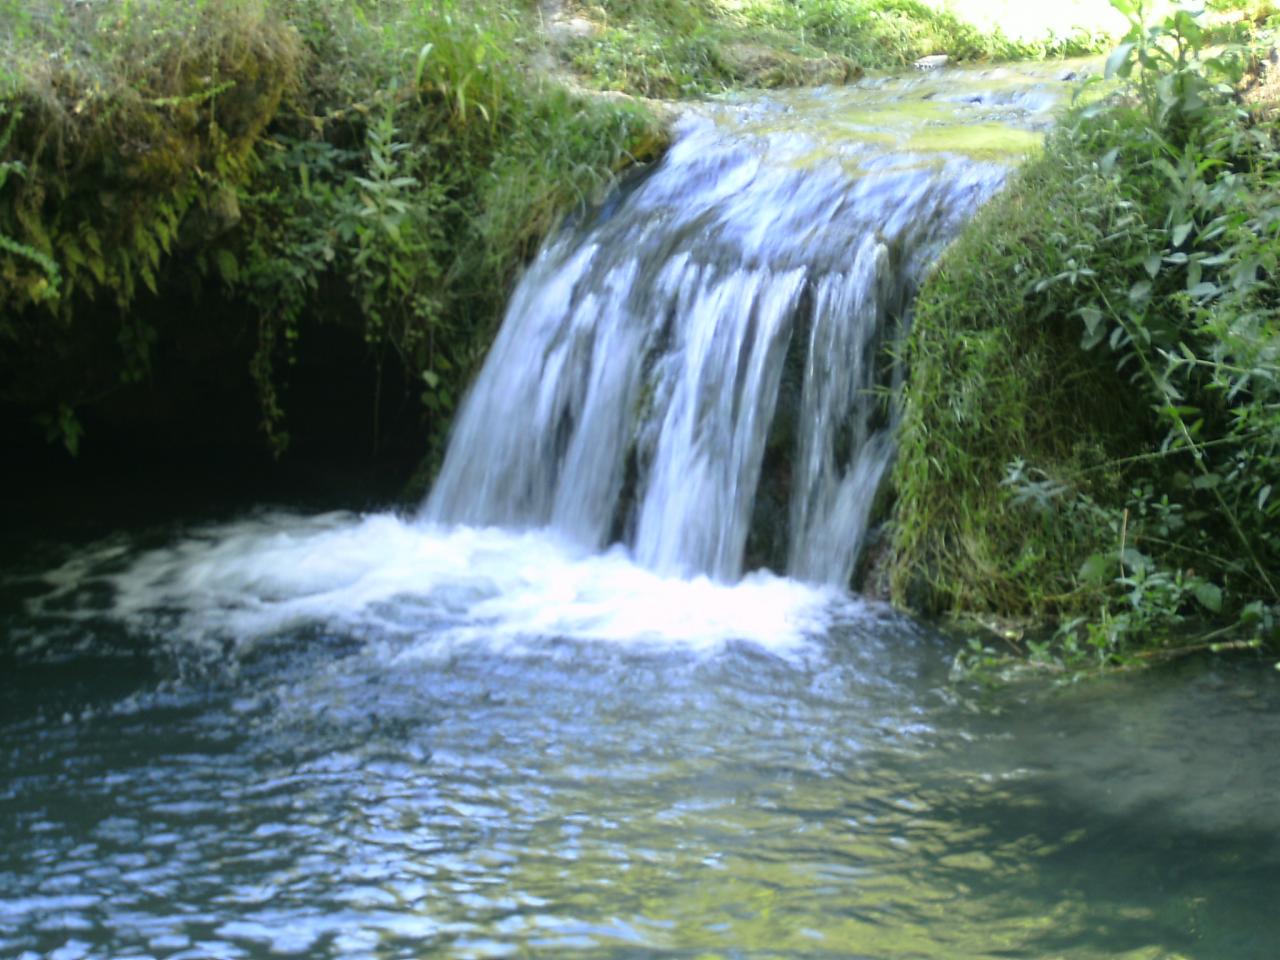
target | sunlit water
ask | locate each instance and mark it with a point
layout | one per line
(359, 736)
(383, 735)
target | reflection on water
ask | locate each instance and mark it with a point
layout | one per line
(358, 737)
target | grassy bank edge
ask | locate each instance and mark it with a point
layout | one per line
(1090, 436)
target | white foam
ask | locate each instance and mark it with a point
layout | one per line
(380, 576)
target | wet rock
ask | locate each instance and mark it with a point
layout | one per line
(769, 538)
(873, 574)
(935, 62)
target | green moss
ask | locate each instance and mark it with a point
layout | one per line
(405, 156)
(997, 375)
(931, 127)
(981, 141)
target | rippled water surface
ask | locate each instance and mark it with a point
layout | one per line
(358, 736)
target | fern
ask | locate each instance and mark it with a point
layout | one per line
(44, 288)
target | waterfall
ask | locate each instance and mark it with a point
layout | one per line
(634, 388)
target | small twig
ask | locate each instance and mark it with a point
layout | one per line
(1179, 652)
(1226, 563)
(1163, 454)
(1124, 538)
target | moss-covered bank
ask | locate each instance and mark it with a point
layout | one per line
(677, 47)
(209, 190)
(1092, 422)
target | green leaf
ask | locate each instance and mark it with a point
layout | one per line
(1152, 265)
(1119, 64)
(420, 66)
(228, 266)
(1184, 22)
(1252, 613)
(1136, 560)
(1091, 316)
(1209, 595)
(1095, 571)
(1093, 326)
(66, 427)
(1245, 274)
(1179, 233)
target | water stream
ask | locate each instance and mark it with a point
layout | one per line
(561, 711)
(634, 389)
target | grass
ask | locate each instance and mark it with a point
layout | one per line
(669, 49)
(675, 49)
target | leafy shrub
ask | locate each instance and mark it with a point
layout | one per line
(1093, 420)
(387, 166)
(128, 128)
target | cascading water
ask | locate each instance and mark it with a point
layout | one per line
(634, 387)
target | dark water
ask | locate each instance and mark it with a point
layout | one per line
(334, 735)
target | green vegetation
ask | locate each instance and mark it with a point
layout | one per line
(385, 166)
(665, 48)
(1092, 424)
(223, 177)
